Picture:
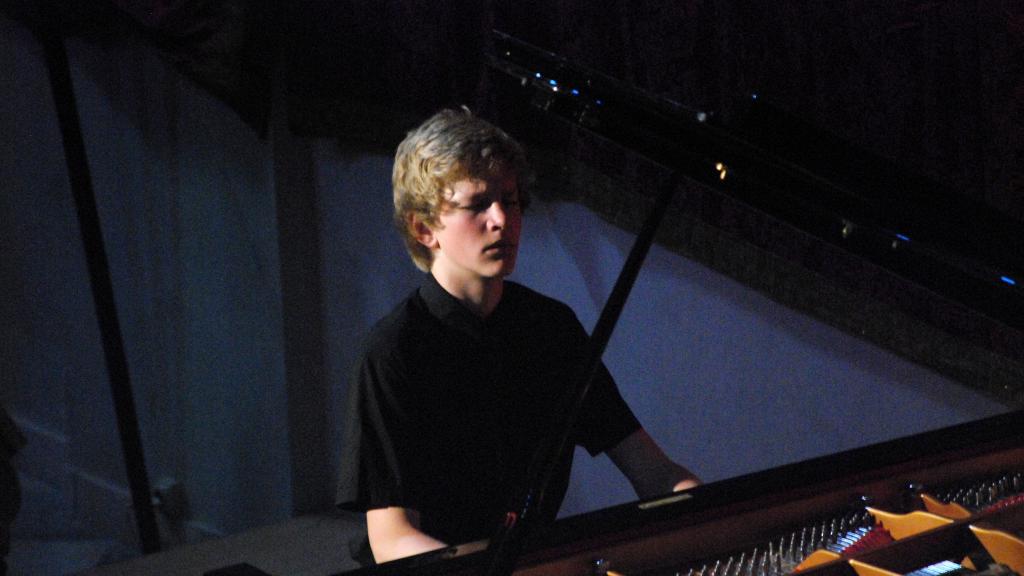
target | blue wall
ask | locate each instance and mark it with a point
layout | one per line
(186, 201)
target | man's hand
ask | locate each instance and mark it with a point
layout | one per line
(648, 469)
(395, 533)
(686, 484)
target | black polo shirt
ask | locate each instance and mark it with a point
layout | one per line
(446, 409)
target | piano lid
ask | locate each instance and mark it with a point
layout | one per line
(782, 186)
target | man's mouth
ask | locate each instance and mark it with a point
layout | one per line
(499, 246)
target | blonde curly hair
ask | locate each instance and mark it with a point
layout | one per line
(449, 146)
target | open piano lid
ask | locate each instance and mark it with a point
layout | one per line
(797, 173)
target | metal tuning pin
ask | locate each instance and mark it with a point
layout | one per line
(730, 563)
(740, 563)
(781, 554)
(984, 493)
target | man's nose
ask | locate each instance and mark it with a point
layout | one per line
(497, 215)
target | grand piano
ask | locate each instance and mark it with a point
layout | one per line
(769, 522)
(947, 500)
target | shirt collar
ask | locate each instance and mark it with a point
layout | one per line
(447, 308)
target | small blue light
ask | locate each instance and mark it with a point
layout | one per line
(1008, 280)
(902, 237)
(600, 102)
(575, 92)
(537, 74)
(754, 95)
(553, 82)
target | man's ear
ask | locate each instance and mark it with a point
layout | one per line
(423, 233)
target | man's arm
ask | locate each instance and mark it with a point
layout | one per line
(395, 533)
(648, 469)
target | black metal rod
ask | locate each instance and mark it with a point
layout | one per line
(102, 287)
(507, 544)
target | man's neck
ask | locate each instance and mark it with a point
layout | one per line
(480, 295)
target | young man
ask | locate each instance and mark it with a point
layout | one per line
(459, 384)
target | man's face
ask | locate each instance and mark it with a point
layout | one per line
(478, 236)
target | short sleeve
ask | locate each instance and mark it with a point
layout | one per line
(606, 419)
(372, 466)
